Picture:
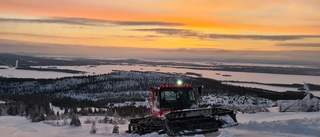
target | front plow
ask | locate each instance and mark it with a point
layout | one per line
(199, 121)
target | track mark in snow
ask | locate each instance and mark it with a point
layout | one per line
(9, 131)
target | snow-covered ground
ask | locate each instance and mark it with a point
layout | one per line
(14, 126)
(263, 124)
(278, 124)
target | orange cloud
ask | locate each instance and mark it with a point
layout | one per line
(239, 25)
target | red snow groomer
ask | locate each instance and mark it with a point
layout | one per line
(175, 112)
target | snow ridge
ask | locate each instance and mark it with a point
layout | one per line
(306, 126)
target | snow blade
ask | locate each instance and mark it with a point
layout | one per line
(198, 121)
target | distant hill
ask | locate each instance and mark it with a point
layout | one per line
(119, 86)
(27, 61)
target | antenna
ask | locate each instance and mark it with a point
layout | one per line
(16, 64)
(306, 87)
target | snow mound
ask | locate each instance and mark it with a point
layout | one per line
(226, 133)
(154, 134)
(228, 121)
(8, 131)
(199, 136)
(304, 126)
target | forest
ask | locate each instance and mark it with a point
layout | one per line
(32, 97)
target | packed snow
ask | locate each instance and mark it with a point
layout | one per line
(262, 124)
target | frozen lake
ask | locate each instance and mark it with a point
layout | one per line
(218, 75)
(18, 73)
(268, 87)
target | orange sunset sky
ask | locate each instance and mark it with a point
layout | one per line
(266, 30)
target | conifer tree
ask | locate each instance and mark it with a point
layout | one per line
(75, 120)
(93, 128)
(115, 129)
(66, 111)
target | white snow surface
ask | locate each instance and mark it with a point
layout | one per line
(263, 124)
(226, 133)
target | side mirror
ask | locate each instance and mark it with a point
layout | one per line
(200, 89)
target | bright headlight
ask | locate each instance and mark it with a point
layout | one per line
(179, 82)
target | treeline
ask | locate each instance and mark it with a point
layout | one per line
(121, 111)
(53, 70)
(108, 86)
(68, 102)
(83, 92)
(216, 87)
(33, 107)
(38, 109)
(294, 85)
(118, 87)
(27, 61)
(272, 70)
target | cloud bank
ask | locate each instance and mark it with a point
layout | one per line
(89, 22)
(212, 36)
(300, 44)
(44, 36)
(252, 56)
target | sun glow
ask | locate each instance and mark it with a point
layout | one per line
(185, 27)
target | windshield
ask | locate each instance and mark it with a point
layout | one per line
(176, 98)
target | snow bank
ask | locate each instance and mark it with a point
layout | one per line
(154, 134)
(307, 104)
(304, 126)
(226, 133)
(228, 121)
(263, 124)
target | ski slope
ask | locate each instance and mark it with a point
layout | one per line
(264, 124)
(277, 124)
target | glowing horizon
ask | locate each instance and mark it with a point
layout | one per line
(250, 25)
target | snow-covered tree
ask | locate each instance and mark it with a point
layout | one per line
(75, 120)
(93, 128)
(66, 111)
(115, 129)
